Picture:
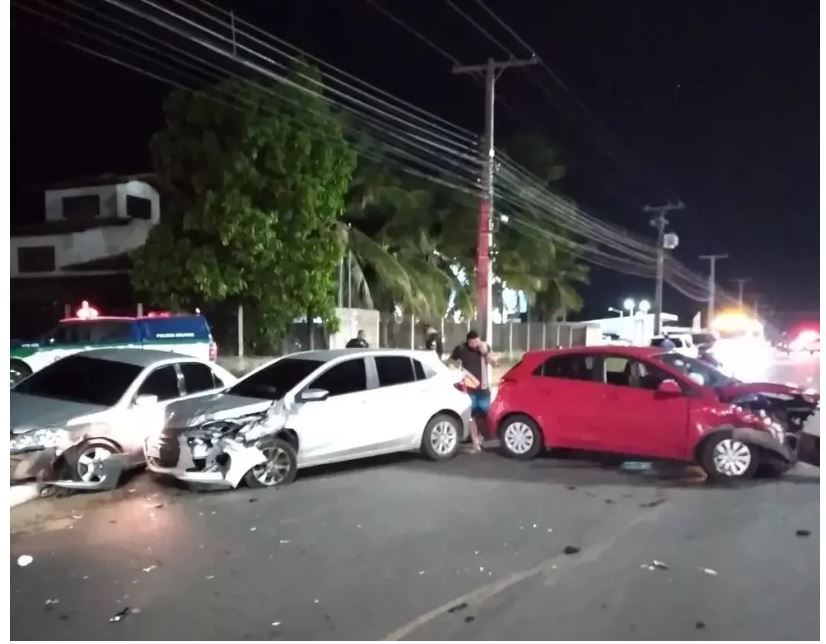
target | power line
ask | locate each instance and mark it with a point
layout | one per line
(479, 28)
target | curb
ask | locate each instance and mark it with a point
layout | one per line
(20, 494)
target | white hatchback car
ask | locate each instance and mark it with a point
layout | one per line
(313, 408)
(83, 419)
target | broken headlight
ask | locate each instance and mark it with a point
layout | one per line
(36, 439)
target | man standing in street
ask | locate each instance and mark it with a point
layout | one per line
(358, 342)
(433, 341)
(473, 356)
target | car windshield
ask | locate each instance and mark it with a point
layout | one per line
(82, 379)
(695, 370)
(275, 381)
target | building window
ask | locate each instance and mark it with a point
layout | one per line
(81, 207)
(138, 207)
(36, 259)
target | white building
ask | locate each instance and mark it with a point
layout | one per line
(638, 329)
(85, 226)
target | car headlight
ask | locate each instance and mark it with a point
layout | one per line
(40, 439)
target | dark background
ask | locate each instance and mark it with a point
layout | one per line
(713, 102)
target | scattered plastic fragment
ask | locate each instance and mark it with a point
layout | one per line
(652, 504)
(550, 530)
(24, 560)
(158, 506)
(253, 500)
(77, 516)
(284, 541)
(699, 624)
(276, 623)
(803, 533)
(315, 601)
(610, 501)
(710, 571)
(655, 565)
(253, 529)
(571, 550)
(534, 525)
(123, 612)
(150, 568)
(208, 577)
(481, 569)
(476, 552)
(421, 572)
(51, 602)
(469, 619)
(457, 607)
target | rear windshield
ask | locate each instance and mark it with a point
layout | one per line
(275, 381)
(176, 328)
(81, 379)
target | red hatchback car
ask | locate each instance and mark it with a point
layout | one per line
(635, 401)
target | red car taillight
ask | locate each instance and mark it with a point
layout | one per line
(213, 352)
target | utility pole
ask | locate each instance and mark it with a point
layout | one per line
(660, 222)
(712, 286)
(740, 281)
(484, 236)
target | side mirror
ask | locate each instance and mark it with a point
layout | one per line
(145, 400)
(313, 395)
(669, 388)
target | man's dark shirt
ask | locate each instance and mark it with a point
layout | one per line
(472, 361)
(433, 342)
(357, 343)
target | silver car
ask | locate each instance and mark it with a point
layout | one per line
(82, 420)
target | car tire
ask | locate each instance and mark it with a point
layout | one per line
(84, 462)
(19, 371)
(520, 437)
(441, 437)
(280, 468)
(725, 458)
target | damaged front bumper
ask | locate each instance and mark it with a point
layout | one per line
(222, 465)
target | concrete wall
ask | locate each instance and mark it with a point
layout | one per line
(350, 321)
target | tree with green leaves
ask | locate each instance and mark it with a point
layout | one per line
(255, 189)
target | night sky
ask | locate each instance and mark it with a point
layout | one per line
(714, 102)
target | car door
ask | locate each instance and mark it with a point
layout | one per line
(342, 426)
(563, 394)
(402, 402)
(636, 417)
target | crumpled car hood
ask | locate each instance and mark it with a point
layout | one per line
(37, 412)
(194, 411)
(733, 391)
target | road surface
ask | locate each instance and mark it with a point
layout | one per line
(401, 548)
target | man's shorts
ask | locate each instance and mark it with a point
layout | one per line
(479, 402)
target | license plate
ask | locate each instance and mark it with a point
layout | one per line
(153, 450)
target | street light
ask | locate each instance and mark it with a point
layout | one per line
(644, 307)
(629, 305)
(613, 310)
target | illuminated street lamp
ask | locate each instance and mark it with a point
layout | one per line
(613, 310)
(644, 306)
(629, 305)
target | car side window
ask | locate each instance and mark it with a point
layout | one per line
(163, 383)
(420, 372)
(345, 378)
(198, 377)
(571, 367)
(110, 331)
(394, 370)
(626, 372)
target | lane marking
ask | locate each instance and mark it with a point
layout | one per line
(484, 593)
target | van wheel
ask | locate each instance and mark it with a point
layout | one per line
(725, 458)
(19, 370)
(520, 437)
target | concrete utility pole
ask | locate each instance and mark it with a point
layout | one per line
(660, 222)
(712, 286)
(740, 281)
(484, 235)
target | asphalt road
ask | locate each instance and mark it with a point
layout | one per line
(402, 548)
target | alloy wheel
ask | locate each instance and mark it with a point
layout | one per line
(90, 464)
(275, 469)
(443, 438)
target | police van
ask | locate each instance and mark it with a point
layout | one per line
(181, 333)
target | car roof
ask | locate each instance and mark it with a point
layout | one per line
(631, 352)
(327, 355)
(137, 357)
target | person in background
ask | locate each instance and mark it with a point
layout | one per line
(473, 356)
(358, 342)
(433, 341)
(668, 343)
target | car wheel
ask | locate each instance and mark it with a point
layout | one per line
(19, 370)
(520, 437)
(86, 463)
(440, 440)
(727, 458)
(280, 467)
